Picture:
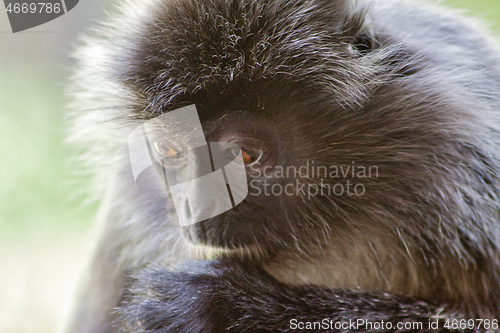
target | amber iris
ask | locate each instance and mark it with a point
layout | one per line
(165, 150)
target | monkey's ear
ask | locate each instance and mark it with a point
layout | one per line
(354, 24)
(365, 42)
(359, 32)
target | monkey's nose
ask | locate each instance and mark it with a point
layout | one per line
(201, 198)
(187, 209)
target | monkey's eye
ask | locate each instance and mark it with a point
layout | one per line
(165, 150)
(251, 156)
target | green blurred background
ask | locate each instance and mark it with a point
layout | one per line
(45, 225)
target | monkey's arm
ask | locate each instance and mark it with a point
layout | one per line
(226, 296)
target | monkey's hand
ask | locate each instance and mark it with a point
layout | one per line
(227, 296)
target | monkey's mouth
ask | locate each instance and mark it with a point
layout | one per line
(225, 233)
(237, 228)
(205, 252)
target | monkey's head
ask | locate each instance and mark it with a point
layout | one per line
(343, 130)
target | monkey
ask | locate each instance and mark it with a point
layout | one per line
(394, 102)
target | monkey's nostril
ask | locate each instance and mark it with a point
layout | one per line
(187, 210)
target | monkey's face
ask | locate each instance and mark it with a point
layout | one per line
(276, 151)
(323, 115)
(299, 171)
(275, 148)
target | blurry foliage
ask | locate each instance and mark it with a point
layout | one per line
(487, 10)
(38, 187)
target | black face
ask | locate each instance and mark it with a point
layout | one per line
(299, 154)
(276, 145)
(316, 108)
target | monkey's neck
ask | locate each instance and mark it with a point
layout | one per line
(375, 265)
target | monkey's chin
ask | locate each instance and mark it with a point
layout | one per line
(207, 252)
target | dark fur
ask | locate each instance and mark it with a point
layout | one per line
(215, 296)
(409, 87)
